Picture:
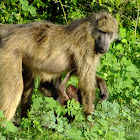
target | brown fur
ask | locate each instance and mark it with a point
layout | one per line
(71, 92)
(47, 51)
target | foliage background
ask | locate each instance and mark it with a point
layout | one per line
(117, 118)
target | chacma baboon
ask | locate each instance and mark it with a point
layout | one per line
(74, 93)
(48, 50)
(60, 86)
(59, 89)
(71, 92)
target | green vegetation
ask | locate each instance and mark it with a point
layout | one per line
(117, 118)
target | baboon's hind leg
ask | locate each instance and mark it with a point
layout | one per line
(48, 89)
(11, 83)
(27, 92)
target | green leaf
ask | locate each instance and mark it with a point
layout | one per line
(109, 9)
(72, 101)
(68, 103)
(24, 4)
(92, 3)
(10, 127)
(138, 1)
(124, 41)
(118, 2)
(32, 10)
(134, 74)
(134, 101)
(52, 104)
(112, 1)
(133, 68)
(125, 61)
(119, 47)
(74, 2)
(2, 137)
(76, 105)
(36, 83)
(137, 90)
(1, 114)
(36, 104)
(100, 132)
(134, 71)
(128, 83)
(122, 33)
(100, 1)
(74, 133)
(14, 0)
(122, 135)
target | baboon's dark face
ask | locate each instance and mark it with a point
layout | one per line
(104, 32)
(102, 42)
(72, 92)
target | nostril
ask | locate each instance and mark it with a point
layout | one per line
(102, 49)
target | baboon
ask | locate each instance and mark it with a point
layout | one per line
(74, 93)
(60, 86)
(47, 50)
(71, 92)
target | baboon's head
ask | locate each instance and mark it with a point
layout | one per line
(104, 31)
(72, 92)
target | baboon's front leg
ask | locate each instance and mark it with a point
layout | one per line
(103, 89)
(87, 101)
(87, 82)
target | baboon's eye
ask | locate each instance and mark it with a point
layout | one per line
(102, 32)
(108, 33)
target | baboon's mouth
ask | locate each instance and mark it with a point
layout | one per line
(102, 51)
